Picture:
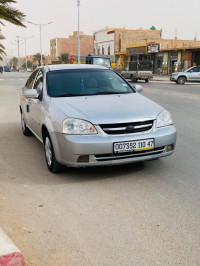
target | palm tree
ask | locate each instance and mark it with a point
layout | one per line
(37, 57)
(63, 58)
(11, 14)
(2, 47)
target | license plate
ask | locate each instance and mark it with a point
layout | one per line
(143, 77)
(134, 145)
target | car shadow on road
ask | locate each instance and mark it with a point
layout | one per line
(24, 162)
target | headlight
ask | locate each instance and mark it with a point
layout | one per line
(164, 119)
(73, 126)
(174, 74)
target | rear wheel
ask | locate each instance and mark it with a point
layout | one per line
(181, 80)
(146, 80)
(51, 161)
(26, 131)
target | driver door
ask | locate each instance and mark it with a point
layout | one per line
(37, 110)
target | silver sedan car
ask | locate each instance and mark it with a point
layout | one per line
(88, 115)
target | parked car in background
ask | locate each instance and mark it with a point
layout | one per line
(7, 68)
(138, 71)
(87, 115)
(190, 75)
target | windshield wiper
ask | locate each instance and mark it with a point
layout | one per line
(106, 92)
(67, 95)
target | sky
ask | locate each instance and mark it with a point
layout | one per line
(171, 16)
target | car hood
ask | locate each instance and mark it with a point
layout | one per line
(103, 109)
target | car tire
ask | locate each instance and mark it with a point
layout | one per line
(146, 80)
(181, 80)
(51, 161)
(26, 131)
(133, 79)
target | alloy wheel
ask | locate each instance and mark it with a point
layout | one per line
(48, 151)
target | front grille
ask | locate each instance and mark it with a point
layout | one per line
(127, 128)
(127, 155)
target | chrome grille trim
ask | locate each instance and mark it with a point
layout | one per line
(127, 128)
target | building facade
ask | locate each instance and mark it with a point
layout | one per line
(70, 45)
(104, 43)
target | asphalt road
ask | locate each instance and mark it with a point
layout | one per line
(139, 214)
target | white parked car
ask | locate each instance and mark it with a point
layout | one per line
(88, 115)
(190, 75)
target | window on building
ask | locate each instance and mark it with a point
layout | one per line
(103, 50)
(98, 50)
(108, 50)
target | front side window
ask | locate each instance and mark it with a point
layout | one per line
(196, 69)
(39, 82)
(30, 82)
(66, 83)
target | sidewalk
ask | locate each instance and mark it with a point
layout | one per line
(161, 77)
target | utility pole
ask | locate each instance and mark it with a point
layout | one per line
(78, 4)
(18, 42)
(26, 38)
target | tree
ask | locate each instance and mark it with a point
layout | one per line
(14, 62)
(29, 64)
(37, 57)
(63, 58)
(2, 47)
(10, 14)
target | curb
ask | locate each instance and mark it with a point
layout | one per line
(10, 255)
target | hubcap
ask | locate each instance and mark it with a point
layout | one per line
(48, 151)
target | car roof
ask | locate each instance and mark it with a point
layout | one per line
(73, 66)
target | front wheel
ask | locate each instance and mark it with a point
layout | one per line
(181, 80)
(26, 131)
(52, 164)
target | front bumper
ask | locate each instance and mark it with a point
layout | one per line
(99, 148)
(173, 78)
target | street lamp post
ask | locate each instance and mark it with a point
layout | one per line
(40, 29)
(18, 44)
(78, 4)
(26, 38)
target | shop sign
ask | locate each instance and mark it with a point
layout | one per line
(153, 48)
(136, 50)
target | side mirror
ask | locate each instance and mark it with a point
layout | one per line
(138, 88)
(31, 94)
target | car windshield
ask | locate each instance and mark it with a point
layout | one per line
(188, 70)
(81, 82)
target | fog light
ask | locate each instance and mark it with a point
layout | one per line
(169, 148)
(83, 159)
